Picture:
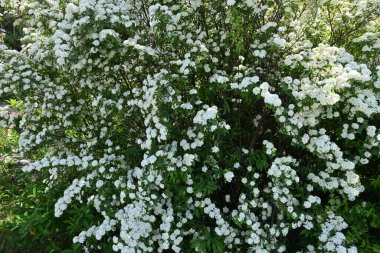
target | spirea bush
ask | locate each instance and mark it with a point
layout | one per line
(199, 126)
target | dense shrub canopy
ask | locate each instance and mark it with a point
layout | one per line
(199, 126)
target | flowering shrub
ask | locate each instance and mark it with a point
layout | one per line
(199, 126)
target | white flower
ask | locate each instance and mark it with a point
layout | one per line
(279, 41)
(231, 2)
(204, 115)
(228, 176)
(371, 131)
(188, 159)
(272, 99)
(215, 149)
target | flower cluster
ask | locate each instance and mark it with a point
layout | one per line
(223, 127)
